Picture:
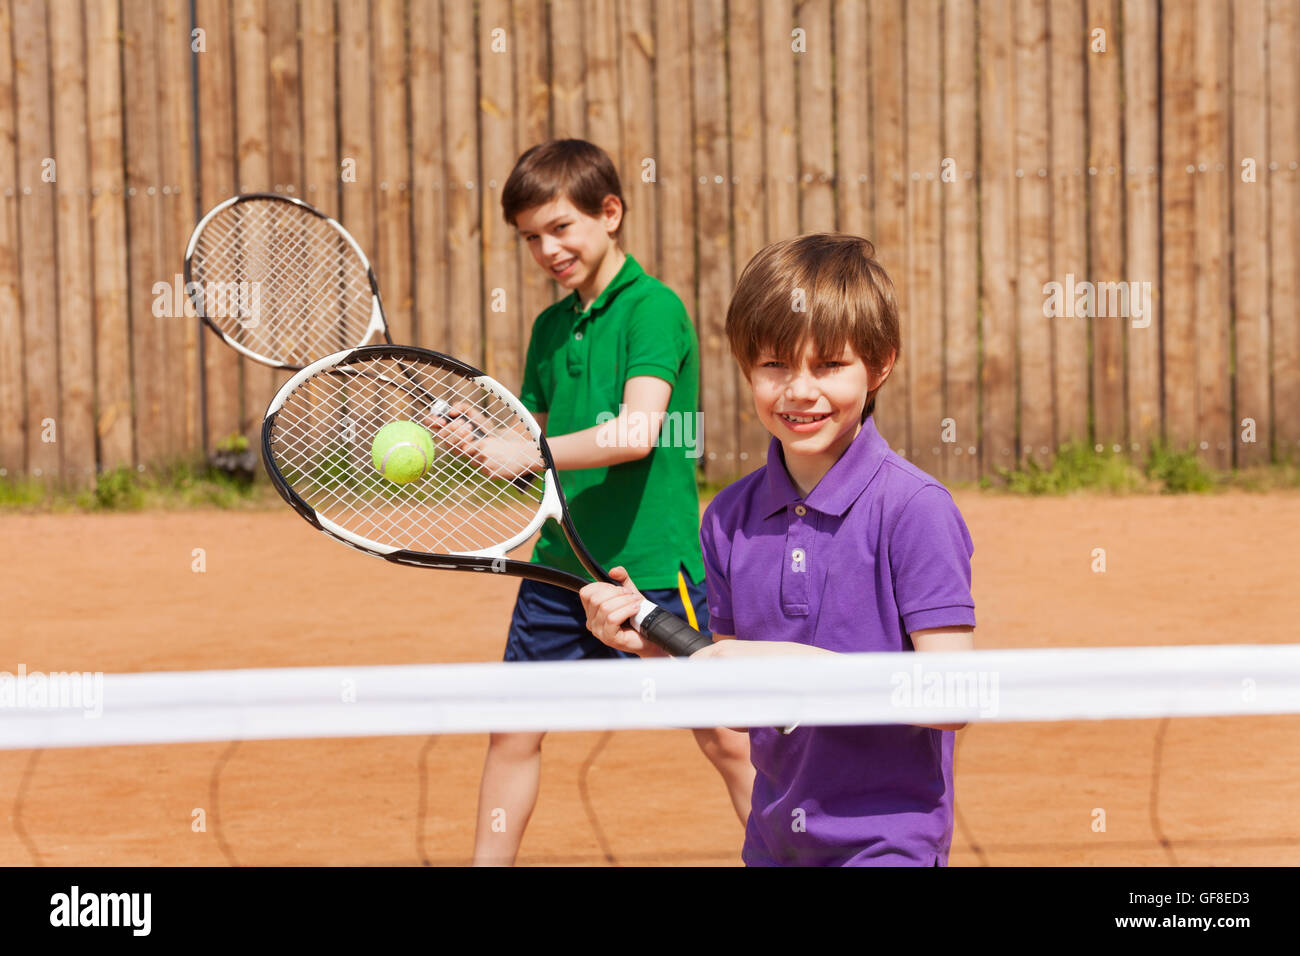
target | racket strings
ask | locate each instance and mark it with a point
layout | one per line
(322, 443)
(309, 290)
(448, 527)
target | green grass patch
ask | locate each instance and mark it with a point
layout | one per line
(1163, 470)
(179, 485)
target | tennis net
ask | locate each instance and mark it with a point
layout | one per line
(39, 711)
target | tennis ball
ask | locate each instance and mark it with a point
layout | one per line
(402, 452)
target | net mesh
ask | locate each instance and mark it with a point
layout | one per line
(476, 493)
(281, 281)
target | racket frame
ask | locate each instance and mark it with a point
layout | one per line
(492, 559)
(378, 318)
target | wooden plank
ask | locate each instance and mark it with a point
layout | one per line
(636, 52)
(356, 127)
(817, 145)
(747, 199)
(286, 143)
(852, 115)
(253, 134)
(36, 228)
(960, 240)
(889, 202)
(568, 93)
(108, 233)
(76, 431)
(176, 202)
(601, 82)
(1068, 163)
(319, 65)
(13, 412)
(284, 135)
(1284, 223)
(1106, 229)
(1141, 53)
(922, 320)
(504, 356)
(392, 168)
(1212, 216)
(533, 126)
(1250, 205)
(222, 371)
(429, 224)
(780, 108)
(999, 444)
(465, 302)
(675, 192)
(148, 343)
(713, 197)
(1178, 270)
(1033, 227)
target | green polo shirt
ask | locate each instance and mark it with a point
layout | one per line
(643, 514)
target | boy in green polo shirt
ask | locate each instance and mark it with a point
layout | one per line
(612, 376)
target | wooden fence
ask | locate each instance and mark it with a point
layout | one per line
(988, 148)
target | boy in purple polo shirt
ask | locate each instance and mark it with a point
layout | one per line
(836, 545)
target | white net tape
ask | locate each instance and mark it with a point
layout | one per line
(1016, 685)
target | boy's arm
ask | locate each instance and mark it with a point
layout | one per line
(944, 639)
(627, 437)
(928, 640)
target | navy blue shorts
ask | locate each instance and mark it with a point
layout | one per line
(549, 623)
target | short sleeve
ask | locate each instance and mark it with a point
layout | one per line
(658, 336)
(717, 550)
(929, 552)
(531, 392)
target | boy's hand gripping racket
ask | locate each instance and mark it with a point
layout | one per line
(488, 488)
(281, 282)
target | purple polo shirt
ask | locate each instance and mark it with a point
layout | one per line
(877, 550)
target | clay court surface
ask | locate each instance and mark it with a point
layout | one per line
(117, 593)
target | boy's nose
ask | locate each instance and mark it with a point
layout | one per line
(800, 385)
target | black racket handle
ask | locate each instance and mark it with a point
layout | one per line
(672, 633)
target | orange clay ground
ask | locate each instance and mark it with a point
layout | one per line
(117, 593)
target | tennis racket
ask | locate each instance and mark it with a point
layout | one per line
(281, 282)
(490, 486)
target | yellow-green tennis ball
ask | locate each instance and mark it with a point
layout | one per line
(402, 452)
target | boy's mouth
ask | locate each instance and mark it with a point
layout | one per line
(561, 268)
(796, 420)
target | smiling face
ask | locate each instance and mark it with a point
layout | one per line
(814, 409)
(576, 250)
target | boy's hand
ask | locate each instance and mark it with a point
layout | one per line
(610, 609)
(497, 456)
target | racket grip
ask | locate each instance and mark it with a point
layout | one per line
(671, 633)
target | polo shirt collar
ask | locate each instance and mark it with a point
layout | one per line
(627, 273)
(839, 487)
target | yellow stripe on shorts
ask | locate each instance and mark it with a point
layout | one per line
(691, 619)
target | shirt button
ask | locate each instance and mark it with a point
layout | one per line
(577, 336)
(800, 510)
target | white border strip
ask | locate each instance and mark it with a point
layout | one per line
(1032, 685)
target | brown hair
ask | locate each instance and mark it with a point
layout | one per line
(572, 169)
(825, 286)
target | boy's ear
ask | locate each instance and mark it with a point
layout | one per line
(886, 367)
(613, 211)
